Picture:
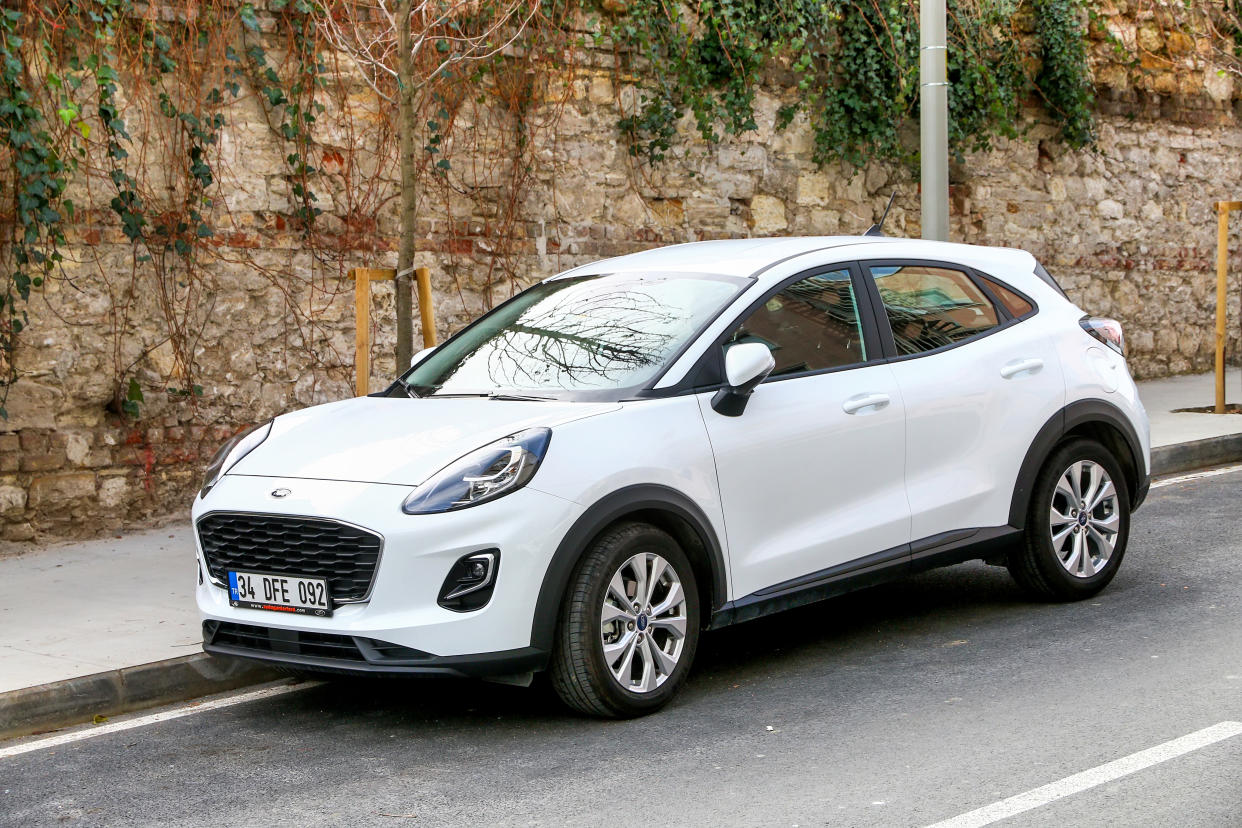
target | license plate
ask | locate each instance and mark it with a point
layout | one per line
(280, 593)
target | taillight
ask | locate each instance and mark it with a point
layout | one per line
(1107, 331)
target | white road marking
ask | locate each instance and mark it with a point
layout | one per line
(1095, 776)
(1182, 478)
(153, 718)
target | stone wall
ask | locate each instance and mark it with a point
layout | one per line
(1127, 227)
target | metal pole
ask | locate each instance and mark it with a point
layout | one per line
(934, 119)
(1222, 265)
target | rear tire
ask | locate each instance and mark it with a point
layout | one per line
(629, 625)
(1077, 524)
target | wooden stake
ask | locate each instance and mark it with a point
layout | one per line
(1223, 209)
(425, 309)
(363, 277)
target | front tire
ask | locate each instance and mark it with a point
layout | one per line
(1077, 524)
(629, 625)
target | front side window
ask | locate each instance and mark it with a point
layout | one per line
(932, 307)
(810, 325)
(586, 335)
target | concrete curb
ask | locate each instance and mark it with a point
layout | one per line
(1196, 454)
(78, 700)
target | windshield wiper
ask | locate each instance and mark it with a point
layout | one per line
(497, 395)
(413, 391)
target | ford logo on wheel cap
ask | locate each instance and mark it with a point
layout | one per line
(281, 492)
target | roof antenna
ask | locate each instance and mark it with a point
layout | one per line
(878, 229)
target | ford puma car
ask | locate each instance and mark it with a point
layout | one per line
(633, 452)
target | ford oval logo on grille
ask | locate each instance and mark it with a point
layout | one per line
(281, 493)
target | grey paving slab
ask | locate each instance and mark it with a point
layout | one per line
(1162, 397)
(73, 609)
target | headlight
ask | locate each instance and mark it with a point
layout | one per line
(237, 447)
(482, 475)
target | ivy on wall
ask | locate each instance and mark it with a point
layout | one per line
(180, 68)
(1061, 80)
(35, 231)
(855, 67)
(84, 83)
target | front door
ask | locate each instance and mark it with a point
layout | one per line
(811, 473)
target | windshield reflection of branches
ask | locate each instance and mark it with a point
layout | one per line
(594, 343)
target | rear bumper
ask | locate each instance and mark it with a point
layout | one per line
(357, 655)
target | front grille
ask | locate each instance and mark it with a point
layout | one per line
(337, 648)
(279, 545)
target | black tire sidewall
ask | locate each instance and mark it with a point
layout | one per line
(609, 558)
(1039, 540)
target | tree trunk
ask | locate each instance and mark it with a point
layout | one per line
(406, 128)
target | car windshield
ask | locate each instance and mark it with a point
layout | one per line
(585, 336)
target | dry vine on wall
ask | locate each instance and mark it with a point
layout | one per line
(120, 124)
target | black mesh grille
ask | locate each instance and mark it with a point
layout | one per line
(280, 545)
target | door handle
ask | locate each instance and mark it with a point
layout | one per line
(858, 402)
(1021, 366)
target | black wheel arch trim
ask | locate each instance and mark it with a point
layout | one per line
(1078, 413)
(603, 513)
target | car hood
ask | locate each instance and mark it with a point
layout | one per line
(394, 440)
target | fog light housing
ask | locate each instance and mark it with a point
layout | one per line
(470, 581)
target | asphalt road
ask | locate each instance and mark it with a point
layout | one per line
(902, 705)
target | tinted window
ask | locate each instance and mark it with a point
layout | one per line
(575, 335)
(809, 325)
(931, 307)
(1015, 304)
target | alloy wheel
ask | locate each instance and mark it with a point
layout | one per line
(643, 622)
(1084, 520)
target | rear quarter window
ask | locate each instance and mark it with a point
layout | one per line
(1017, 306)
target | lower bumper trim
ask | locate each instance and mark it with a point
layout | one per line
(355, 655)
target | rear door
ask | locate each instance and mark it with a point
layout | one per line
(811, 472)
(979, 376)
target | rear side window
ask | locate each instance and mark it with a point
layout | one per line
(1015, 304)
(932, 307)
(810, 325)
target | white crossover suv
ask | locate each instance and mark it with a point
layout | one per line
(632, 452)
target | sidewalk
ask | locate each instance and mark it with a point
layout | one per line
(78, 609)
(1160, 397)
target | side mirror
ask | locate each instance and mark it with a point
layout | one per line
(746, 365)
(421, 355)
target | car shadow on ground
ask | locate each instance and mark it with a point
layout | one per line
(847, 629)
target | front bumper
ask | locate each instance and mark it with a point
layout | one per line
(400, 615)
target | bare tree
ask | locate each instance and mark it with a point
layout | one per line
(404, 48)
